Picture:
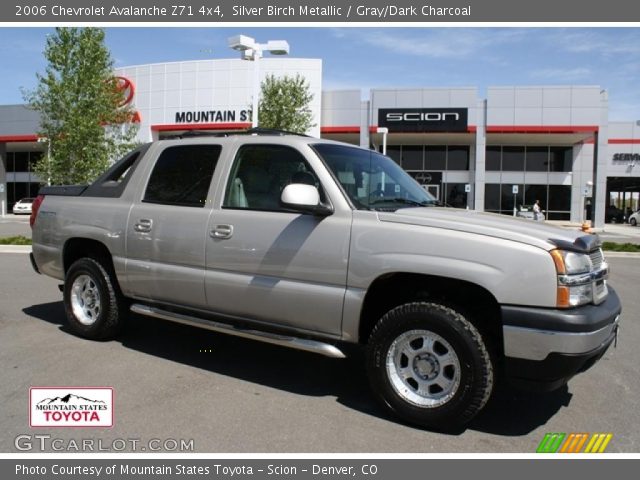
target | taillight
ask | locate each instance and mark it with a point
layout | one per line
(35, 206)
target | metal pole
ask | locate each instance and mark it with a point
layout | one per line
(256, 86)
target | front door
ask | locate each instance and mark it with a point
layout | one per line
(273, 265)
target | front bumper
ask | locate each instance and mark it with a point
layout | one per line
(544, 348)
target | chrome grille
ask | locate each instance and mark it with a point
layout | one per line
(600, 290)
(597, 258)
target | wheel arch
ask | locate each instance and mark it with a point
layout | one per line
(80, 247)
(393, 289)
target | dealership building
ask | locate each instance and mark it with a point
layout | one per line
(490, 151)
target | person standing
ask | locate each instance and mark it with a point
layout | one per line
(537, 212)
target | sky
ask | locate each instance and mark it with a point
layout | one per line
(364, 58)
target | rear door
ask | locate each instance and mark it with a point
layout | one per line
(167, 227)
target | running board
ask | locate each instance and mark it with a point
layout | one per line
(274, 338)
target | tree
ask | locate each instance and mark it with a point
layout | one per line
(82, 113)
(284, 104)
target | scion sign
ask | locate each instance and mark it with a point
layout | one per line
(423, 119)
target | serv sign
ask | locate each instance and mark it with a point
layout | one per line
(423, 119)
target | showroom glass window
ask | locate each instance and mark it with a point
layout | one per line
(529, 159)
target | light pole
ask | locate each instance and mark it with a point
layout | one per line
(252, 50)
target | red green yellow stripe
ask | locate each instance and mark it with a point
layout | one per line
(574, 443)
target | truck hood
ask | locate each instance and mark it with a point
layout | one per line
(520, 230)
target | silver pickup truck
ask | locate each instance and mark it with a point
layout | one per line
(314, 244)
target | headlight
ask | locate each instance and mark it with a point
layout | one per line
(571, 263)
(578, 282)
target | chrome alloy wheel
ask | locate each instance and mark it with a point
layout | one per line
(85, 299)
(423, 368)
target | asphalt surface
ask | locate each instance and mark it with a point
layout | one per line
(14, 225)
(245, 396)
(620, 233)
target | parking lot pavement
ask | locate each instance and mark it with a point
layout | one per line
(13, 225)
(235, 395)
(621, 233)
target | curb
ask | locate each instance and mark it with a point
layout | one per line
(15, 248)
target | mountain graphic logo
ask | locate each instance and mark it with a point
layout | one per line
(68, 399)
(70, 407)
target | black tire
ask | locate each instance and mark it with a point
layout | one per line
(465, 385)
(93, 303)
(633, 222)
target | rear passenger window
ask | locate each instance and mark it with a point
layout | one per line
(182, 175)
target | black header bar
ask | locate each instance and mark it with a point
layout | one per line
(423, 119)
(316, 11)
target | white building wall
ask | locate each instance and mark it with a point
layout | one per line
(341, 108)
(629, 133)
(544, 106)
(599, 200)
(162, 90)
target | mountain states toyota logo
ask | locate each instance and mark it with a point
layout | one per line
(71, 407)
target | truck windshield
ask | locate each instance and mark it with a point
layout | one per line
(373, 181)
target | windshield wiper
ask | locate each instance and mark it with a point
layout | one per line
(404, 201)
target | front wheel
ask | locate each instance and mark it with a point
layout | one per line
(93, 304)
(633, 222)
(429, 365)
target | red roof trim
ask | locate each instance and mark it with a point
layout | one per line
(172, 127)
(622, 141)
(341, 129)
(542, 129)
(19, 138)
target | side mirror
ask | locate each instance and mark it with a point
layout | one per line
(304, 198)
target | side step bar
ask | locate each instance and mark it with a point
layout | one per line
(274, 338)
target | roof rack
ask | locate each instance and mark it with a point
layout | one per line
(250, 131)
(272, 131)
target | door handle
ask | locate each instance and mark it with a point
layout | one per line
(143, 225)
(222, 231)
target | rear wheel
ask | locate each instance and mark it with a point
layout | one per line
(429, 365)
(633, 222)
(95, 309)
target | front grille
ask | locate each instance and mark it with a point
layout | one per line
(600, 290)
(597, 258)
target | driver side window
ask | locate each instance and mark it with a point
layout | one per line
(260, 173)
